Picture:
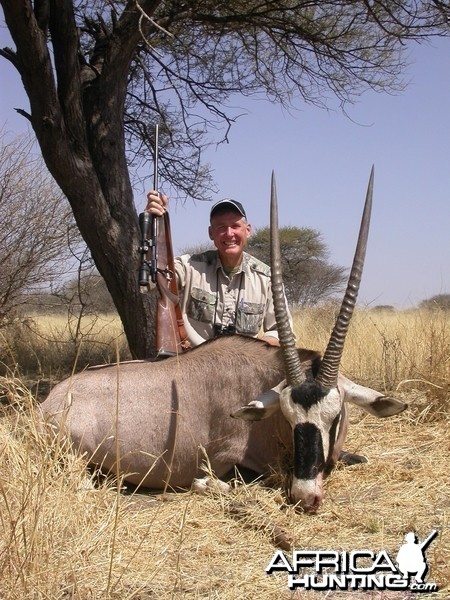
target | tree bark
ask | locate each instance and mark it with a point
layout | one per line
(81, 135)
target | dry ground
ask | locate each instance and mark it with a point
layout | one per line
(61, 539)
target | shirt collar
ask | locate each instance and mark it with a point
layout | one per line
(244, 267)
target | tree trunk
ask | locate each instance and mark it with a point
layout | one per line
(79, 127)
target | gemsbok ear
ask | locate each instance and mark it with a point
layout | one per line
(383, 406)
(265, 405)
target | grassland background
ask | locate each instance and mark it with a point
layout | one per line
(63, 538)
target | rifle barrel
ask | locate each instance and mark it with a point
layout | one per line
(154, 256)
(155, 158)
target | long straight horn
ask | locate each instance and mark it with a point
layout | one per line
(328, 371)
(292, 364)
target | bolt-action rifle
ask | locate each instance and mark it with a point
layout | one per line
(157, 264)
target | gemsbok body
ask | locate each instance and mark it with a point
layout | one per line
(156, 422)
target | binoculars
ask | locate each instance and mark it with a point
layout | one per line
(220, 330)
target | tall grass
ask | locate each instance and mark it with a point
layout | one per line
(52, 521)
(62, 538)
(390, 351)
(48, 348)
(383, 348)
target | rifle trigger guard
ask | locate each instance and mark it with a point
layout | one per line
(168, 273)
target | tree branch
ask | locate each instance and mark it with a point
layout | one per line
(65, 43)
(33, 62)
(10, 55)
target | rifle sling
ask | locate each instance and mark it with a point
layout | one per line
(167, 284)
(162, 282)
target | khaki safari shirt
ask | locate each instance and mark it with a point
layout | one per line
(209, 296)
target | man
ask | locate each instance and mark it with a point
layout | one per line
(226, 291)
(223, 291)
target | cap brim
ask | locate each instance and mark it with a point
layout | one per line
(233, 204)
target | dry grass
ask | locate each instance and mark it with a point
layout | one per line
(405, 352)
(62, 538)
(45, 349)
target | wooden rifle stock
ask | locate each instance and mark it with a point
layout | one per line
(158, 262)
(170, 333)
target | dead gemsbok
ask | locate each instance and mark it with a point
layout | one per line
(154, 421)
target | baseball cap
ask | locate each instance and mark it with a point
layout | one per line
(233, 204)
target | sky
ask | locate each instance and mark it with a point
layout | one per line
(322, 161)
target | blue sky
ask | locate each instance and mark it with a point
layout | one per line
(322, 160)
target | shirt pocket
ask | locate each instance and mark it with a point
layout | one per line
(201, 305)
(249, 317)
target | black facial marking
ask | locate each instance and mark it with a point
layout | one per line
(332, 434)
(309, 459)
(307, 393)
(332, 438)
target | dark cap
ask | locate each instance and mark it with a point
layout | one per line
(232, 204)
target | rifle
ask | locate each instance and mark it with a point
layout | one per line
(158, 263)
(428, 541)
(170, 332)
(147, 223)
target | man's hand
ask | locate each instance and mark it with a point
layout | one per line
(156, 203)
(271, 340)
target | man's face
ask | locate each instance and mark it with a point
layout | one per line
(229, 231)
